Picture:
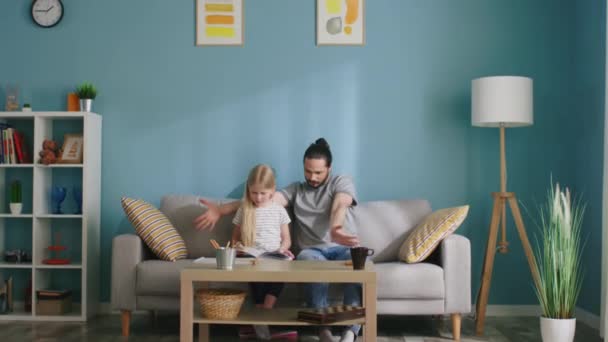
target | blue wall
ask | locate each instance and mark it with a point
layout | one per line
(185, 119)
(588, 135)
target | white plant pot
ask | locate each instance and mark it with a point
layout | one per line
(557, 330)
(16, 208)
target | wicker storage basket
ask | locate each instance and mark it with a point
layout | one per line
(220, 303)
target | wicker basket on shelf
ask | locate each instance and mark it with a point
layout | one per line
(220, 303)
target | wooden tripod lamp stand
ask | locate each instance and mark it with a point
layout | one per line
(501, 101)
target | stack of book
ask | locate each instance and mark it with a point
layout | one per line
(331, 314)
(14, 149)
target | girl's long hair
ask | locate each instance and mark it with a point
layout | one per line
(260, 175)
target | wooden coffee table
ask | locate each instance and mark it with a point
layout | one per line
(274, 271)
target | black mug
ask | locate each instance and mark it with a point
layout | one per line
(359, 256)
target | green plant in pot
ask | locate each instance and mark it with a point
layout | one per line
(15, 198)
(86, 93)
(558, 260)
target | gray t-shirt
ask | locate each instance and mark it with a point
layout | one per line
(312, 209)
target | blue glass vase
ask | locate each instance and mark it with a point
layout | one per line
(77, 192)
(57, 196)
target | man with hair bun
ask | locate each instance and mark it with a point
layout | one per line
(320, 204)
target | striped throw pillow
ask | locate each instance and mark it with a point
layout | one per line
(423, 240)
(155, 229)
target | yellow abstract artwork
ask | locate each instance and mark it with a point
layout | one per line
(340, 22)
(219, 22)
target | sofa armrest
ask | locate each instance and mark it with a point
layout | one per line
(456, 263)
(128, 250)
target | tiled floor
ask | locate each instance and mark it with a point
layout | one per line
(166, 328)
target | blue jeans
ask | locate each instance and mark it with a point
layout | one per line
(316, 293)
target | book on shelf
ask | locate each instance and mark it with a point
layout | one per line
(252, 252)
(52, 294)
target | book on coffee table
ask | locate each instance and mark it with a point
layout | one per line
(252, 252)
(331, 314)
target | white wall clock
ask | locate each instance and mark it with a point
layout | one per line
(47, 13)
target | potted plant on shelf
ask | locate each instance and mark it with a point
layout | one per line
(15, 198)
(558, 261)
(86, 93)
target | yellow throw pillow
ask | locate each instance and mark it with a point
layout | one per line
(423, 240)
(155, 229)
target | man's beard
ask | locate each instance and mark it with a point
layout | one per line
(317, 184)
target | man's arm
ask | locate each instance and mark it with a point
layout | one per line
(280, 199)
(213, 213)
(339, 206)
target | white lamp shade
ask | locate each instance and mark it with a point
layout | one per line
(505, 100)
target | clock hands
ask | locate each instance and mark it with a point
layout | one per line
(45, 11)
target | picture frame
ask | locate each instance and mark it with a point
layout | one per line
(72, 150)
(340, 22)
(219, 23)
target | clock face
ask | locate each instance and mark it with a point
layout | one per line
(47, 13)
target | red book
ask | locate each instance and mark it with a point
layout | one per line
(24, 150)
(17, 136)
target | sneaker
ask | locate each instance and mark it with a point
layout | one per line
(246, 332)
(325, 335)
(262, 332)
(284, 335)
(348, 336)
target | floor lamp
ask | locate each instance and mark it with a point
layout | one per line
(501, 101)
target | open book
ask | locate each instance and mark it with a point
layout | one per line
(244, 251)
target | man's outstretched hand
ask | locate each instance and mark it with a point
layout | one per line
(209, 218)
(340, 236)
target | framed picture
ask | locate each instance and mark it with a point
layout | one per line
(219, 22)
(71, 152)
(340, 22)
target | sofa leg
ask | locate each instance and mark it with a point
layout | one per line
(456, 321)
(125, 318)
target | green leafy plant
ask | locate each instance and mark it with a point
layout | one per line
(558, 254)
(15, 192)
(26, 105)
(86, 91)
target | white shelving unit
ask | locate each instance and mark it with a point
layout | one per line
(36, 228)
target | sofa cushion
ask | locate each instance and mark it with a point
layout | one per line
(182, 210)
(384, 225)
(154, 229)
(430, 232)
(397, 280)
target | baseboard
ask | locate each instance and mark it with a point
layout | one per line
(588, 318)
(582, 315)
(512, 310)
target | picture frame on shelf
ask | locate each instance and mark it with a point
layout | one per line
(219, 23)
(340, 22)
(72, 150)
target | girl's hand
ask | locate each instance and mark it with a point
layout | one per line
(287, 252)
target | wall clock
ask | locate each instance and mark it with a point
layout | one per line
(47, 13)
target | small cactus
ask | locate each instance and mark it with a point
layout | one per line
(16, 192)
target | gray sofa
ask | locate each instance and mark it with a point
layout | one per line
(437, 287)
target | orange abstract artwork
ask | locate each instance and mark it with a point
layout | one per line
(340, 22)
(219, 22)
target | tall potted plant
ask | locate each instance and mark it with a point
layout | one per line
(86, 93)
(15, 198)
(558, 261)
